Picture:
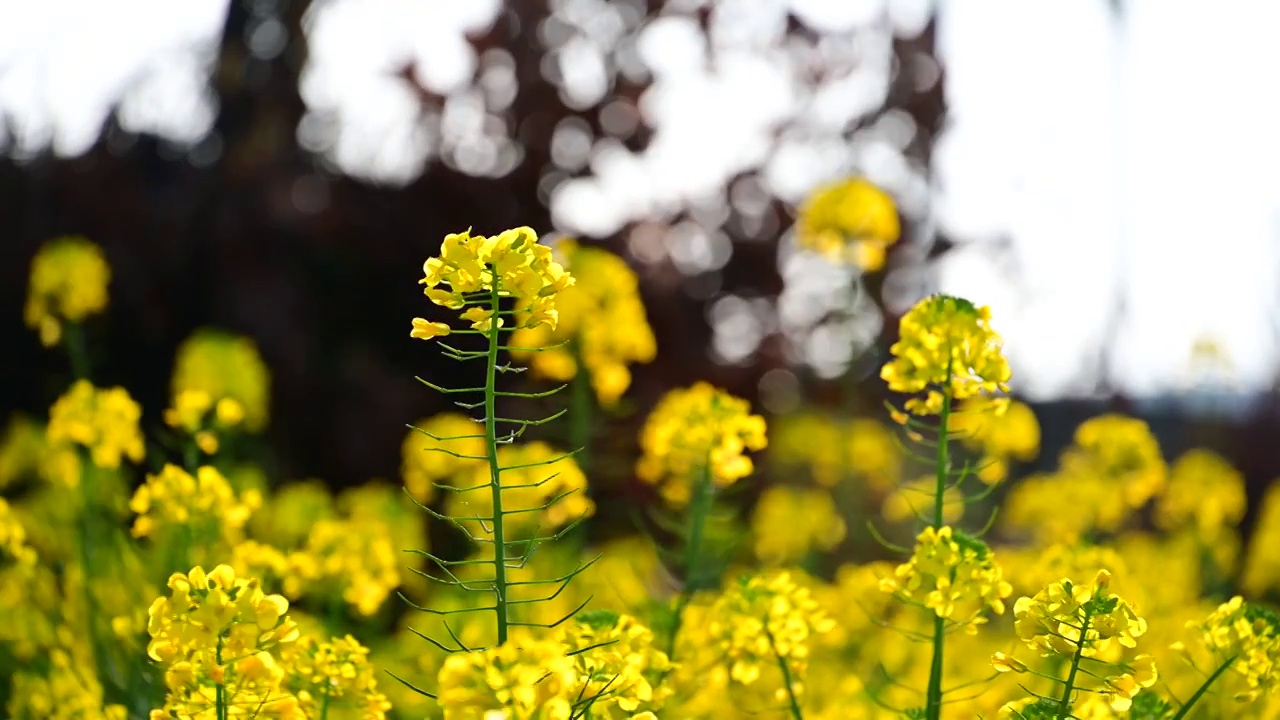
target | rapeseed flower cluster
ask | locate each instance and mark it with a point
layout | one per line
(203, 503)
(197, 416)
(332, 676)
(223, 366)
(1000, 431)
(789, 523)
(104, 422)
(440, 449)
(541, 488)
(69, 278)
(512, 264)
(1205, 492)
(850, 221)
(601, 325)
(527, 677)
(953, 575)
(619, 670)
(947, 349)
(765, 622)
(835, 449)
(1246, 638)
(699, 429)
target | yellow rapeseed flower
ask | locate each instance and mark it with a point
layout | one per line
(946, 348)
(850, 220)
(601, 321)
(1121, 451)
(1261, 571)
(834, 449)
(426, 461)
(619, 671)
(534, 474)
(698, 429)
(789, 522)
(354, 560)
(953, 575)
(335, 675)
(13, 537)
(104, 422)
(225, 366)
(1205, 491)
(204, 503)
(1249, 633)
(529, 677)
(1001, 436)
(765, 619)
(69, 277)
(64, 692)
(513, 263)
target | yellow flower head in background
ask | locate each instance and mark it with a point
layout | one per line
(538, 476)
(765, 619)
(1001, 431)
(946, 347)
(529, 677)
(224, 366)
(1248, 632)
(1261, 571)
(69, 278)
(849, 221)
(834, 449)
(1205, 491)
(1121, 452)
(356, 560)
(204, 502)
(953, 575)
(512, 263)
(789, 522)
(914, 500)
(698, 429)
(102, 421)
(13, 537)
(618, 668)
(601, 316)
(335, 675)
(62, 692)
(195, 413)
(426, 460)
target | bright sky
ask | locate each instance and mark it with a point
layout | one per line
(1092, 160)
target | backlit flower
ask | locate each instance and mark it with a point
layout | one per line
(69, 278)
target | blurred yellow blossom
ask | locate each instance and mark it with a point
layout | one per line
(790, 522)
(203, 503)
(1262, 563)
(103, 421)
(533, 475)
(1000, 436)
(1205, 491)
(289, 513)
(946, 348)
(698, 429)
(618, 669)
(69, 277)
(332, 676)
(601, 322)
(225, 366)
(915, 500)
(1247, 636)
(65, 691)
(13, 537)
(530, 677)
(195, 413)
(833, 449)
(1120, 451)
(849, 220)
(765, 620)
(354, 560)
(438, 449)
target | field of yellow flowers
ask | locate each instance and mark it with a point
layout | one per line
(163, 576)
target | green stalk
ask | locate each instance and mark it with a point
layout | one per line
(933, 694)
(220, 699)
(1186, 708)
(324, 706)
(87, 525)
(73, 339)
(495, 472)
(699, 508)
(796, 712)
(1064, 704)
(582, 404)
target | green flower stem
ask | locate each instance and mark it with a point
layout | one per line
(796, 712)
(495, 471)
(73, 339)
(87, 525)
(1186, 707)
(324, 706)
(1064, 704)
(933, 694)
(699, 509)
(582, 405)
(220, 699)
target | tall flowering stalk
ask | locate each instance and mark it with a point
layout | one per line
(501, 284)
(946, 352)
(695, 442)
